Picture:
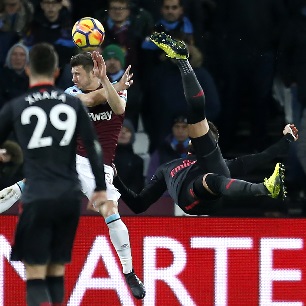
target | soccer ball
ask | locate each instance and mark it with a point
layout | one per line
(88, 33)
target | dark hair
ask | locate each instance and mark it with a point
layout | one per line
(83, 59)
(121, 1)
(43, 59)
(180, 2)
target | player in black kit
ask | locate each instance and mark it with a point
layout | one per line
(46, 121)
(198, 182)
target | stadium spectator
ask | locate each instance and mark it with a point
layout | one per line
(127, 26)
(114, 58)
(126, 160)
(11, 158)
(174, 21)
(174, 146)
(292, 71)
(15, 18)
(249, 32)
(13, 79)
(47, 225)
(52, 23)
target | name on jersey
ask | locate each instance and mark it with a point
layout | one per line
(101, 116)
(38, 96)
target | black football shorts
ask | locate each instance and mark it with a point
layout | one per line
(46, 230)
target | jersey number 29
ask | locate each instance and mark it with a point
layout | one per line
(68, 125)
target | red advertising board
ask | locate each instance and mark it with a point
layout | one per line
(182, 260)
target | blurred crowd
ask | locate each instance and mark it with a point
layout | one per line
(249, 57)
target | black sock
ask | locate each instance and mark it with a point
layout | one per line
(56, 289)
(222, 185)
(193, 91)
(37, 293)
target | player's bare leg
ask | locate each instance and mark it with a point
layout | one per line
(119, 236)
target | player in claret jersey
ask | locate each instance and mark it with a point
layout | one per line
(106, 109)
(107, 116)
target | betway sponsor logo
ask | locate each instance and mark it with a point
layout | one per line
(101, 116)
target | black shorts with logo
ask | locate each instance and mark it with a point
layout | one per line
(46, 230)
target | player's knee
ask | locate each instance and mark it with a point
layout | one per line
(109, 208)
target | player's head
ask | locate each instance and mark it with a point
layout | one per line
(82, 71)
(43, 61)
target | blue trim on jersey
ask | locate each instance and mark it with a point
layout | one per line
(21, 185)
(112, 218)
(73, 90)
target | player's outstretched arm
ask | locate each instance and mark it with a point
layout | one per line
(97, 97)
(140, 202)
(116, 103)
(248, 163)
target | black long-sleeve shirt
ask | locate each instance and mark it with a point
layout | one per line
(163, 179)
(46, 122)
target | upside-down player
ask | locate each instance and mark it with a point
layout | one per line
(198, 182)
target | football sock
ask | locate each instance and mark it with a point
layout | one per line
(193, 91)
(222, 185)
(55, 286)
(119, 236)
(37, 293)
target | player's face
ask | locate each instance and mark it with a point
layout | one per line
(171, 10)
(81, 78)
(18, 58)
(180, 131)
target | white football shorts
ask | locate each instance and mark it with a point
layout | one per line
(88, 182)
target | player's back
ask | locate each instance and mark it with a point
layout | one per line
(46, 123)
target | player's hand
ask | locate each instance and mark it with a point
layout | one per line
(97, 200)
(291, 129)
(99, 68)
(126, 80)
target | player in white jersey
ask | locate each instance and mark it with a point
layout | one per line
(106, 109)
